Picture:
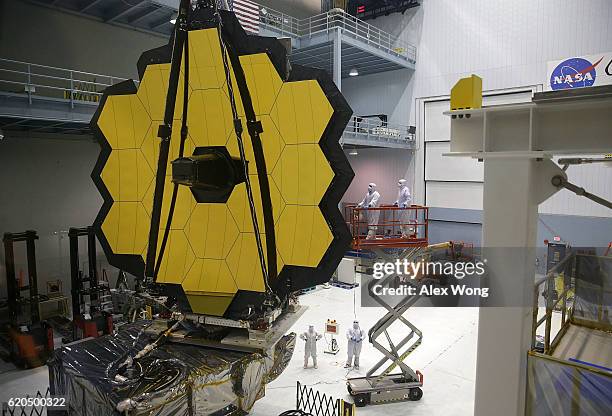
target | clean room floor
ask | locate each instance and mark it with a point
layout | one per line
(447, 359)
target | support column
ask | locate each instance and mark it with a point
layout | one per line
(337, 61)
(510, 215)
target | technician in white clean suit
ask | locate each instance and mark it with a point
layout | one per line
(403, 201)
(371, 201)
(310, 338)
(355, 336)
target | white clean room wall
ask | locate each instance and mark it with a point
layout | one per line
(381, 166)
(453, 182)
(507, 43)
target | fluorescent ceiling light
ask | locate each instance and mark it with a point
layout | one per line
(353, 72)
(353, 152)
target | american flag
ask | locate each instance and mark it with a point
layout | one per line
(247, 13)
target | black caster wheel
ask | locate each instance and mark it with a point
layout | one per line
(362, 400)
(416, 394)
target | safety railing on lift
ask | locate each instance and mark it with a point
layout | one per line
(351, 26)
(375, 130)
(49, 82)
(388, 226)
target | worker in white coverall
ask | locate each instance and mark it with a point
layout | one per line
(371, 201)
(310, 338)
(403, 201)
(355, 336)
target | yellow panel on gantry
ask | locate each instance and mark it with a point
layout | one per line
(124, 121)
(153, 89)
(301, 112)
(211, 250)
(303, 235)
(302, 174)
(209, 286)
(205, 62)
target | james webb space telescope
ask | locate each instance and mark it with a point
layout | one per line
(221, 176)
(222, 173)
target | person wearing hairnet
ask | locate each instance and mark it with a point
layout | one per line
(370, 200)
(310, 338)
(355, 336)
(403, 201)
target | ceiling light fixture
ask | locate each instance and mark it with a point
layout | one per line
(353, 152)
(353, 72)
(173, 20)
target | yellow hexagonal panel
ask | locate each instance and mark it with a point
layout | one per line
(150, 147)
(110, 175)
(303, 235)
(127, 175)
(210, 118)
(238, 204)
(271, 142)
(182, 209)
(263, 81)
(301, 112)
(284, 115)
(213, 304)
(153, 89)
(211, 231)
(243, 262)
(124, 121)
(209, 286)
(321, 110)
(209, 276)
(302, 174)
(126, 227)
(205, 62)
(177, 259)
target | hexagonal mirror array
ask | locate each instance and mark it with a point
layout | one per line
(212, 249)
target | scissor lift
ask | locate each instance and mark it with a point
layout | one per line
(390, 244)
(381, 384)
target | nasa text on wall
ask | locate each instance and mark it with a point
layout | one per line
(579, 72)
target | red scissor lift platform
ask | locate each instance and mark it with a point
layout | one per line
(395, 227)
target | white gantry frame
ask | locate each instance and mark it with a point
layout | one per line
(516, 143)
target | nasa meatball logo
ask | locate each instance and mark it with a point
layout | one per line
(574, 73)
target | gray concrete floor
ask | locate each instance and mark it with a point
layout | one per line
(447, 357)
